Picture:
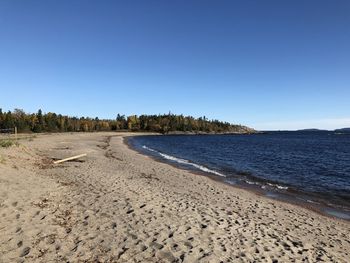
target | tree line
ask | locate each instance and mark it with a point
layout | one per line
(165, 123)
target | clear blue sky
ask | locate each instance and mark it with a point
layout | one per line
(266, 64)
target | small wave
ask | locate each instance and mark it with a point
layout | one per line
(278, 186)
(264, 186)
(183, 161)
(250, 182)
(147, 148)
(311, 201)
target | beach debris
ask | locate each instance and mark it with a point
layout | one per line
(70, 158)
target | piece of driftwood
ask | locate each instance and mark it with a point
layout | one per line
(70, 158)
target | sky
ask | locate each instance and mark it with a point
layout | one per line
(271, 65)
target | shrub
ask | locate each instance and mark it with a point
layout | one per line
(7, 143)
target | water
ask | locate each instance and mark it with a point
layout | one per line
(311, 167)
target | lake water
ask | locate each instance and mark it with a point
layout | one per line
(310, 167)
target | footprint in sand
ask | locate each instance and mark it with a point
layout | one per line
(25, 252)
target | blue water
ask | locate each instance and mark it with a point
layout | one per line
(313, 165)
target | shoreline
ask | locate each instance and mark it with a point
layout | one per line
(117, 205)
(289, 198)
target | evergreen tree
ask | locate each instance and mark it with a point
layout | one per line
(1, 119)
(39, 125)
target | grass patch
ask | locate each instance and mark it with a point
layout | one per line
(8, 143)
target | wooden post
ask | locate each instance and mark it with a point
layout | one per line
(16, 133)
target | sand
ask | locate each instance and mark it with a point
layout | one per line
(116, 205)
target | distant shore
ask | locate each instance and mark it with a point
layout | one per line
(116, 205)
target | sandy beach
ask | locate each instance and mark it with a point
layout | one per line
(116, 205)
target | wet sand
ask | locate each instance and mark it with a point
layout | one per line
(116, 205)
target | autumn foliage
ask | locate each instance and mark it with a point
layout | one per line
(52, 122)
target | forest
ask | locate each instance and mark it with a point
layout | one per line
(165, 123)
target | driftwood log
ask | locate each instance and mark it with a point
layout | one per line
(70, 158)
